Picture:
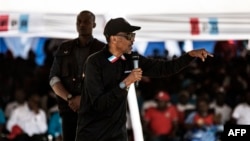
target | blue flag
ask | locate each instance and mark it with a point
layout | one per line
(213, 26)
(23, 24)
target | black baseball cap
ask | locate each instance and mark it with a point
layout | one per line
(117, 25)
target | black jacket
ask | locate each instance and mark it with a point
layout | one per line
(102, 115)
(68, 65)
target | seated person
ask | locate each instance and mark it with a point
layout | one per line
(202, 124)
(28, 122)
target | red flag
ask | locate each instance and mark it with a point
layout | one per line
(194, 26)
(4, 22)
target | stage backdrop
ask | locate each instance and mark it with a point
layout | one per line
(26, 24)
(160, 19)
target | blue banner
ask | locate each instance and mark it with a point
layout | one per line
(23, 24)
(213, 26)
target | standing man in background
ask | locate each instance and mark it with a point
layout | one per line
(66, 74)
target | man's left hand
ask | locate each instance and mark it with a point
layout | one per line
(200, 53)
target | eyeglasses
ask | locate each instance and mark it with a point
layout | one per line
(128, 36)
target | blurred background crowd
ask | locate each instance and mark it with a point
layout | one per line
(192, 105)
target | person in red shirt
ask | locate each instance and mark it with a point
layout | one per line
(203, 117)
(204, 124)
(161, 121)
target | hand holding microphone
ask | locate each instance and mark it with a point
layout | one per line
(136, 74)
(135, 58)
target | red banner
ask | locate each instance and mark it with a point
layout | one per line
(195, 30)
(4, 22)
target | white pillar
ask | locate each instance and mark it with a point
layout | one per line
(135, 114)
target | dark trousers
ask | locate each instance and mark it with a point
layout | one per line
(161, 138)
(69, 124)
(25, 137)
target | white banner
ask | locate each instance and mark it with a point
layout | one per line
(160, 27)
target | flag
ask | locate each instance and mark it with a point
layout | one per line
(4, 22)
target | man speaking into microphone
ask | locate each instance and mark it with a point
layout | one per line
(102, 113)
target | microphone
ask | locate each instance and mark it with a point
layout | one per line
(135, 58)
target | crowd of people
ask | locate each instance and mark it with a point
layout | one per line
(219, 85)
(190, 105)
(28, 105)
(205, 97)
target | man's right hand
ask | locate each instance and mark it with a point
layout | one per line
(135, 75)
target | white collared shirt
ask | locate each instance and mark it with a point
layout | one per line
(242, 113)
(30, 122)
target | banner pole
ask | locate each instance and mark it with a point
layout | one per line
(134, 114)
